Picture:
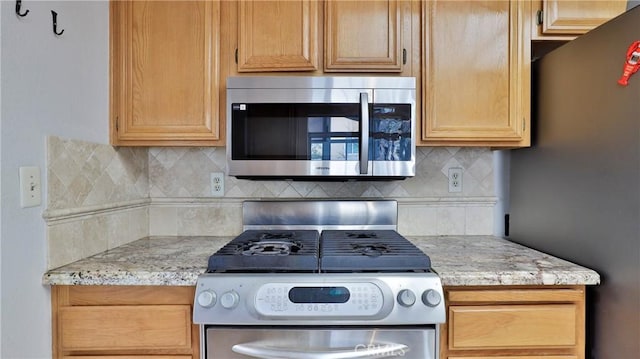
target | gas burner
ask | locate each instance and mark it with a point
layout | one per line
(370, 250)
(362, 235)
(275, 235)
(270, 248)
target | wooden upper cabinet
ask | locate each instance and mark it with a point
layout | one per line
(164, 72)
(570, 17)
(476, 73)
(277, 35)
(363, 36)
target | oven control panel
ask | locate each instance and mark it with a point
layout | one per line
(356, 299)
(318, 299)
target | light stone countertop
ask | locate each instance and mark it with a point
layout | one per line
(459, 261)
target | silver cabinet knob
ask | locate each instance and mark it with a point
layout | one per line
(431, 298)
(229, 300)
(406, 298)
(207, 298)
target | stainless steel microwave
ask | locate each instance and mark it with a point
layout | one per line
(321, 127)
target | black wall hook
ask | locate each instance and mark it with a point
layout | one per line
(55, 23)
(19, 8)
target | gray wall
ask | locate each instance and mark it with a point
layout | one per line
(576, 193)
(50, 86)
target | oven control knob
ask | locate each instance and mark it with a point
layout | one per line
(431, 298)
(207, 298)
(406, 298)
(230, 300)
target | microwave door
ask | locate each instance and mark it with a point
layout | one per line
(298, 133)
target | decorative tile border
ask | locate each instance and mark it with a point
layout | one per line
(416, 217)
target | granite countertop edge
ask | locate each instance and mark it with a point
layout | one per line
(458, 260)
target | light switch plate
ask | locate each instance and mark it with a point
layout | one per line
(30, 191)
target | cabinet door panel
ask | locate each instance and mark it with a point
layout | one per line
(512, 326)
(517, 357)
(476, 72)
(129, 295)
(132, 357)
(125, 327)
(164, 73)
(363, 36)
(164, 63)
(277, 35)
(570, 17)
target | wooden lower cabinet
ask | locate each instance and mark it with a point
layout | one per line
(520, 357)
(123, 322)
(514, 323)
(130, 357)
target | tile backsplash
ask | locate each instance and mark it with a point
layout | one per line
(99, 196)
(83, 174)
(184, 172)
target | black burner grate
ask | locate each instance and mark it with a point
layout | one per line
(268, 251)
(370, 251)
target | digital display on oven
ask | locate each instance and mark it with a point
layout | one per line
(319, 295)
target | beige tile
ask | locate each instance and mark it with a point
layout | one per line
(65, 243)
(138, 224)
(94, 236)
(222, 220)
(163, 221)
(450, 220)
(417, 220)
(88, 174)
(117, 229)
(479, 221)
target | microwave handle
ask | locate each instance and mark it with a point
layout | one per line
(364, 134)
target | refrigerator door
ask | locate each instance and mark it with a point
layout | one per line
(576, 192)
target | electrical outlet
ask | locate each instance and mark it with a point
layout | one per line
(455, 179)
(30, 191)
(217, 184)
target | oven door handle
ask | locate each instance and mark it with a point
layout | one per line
(374, 350)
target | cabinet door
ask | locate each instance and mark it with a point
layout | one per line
(542, 322)
(277, 35)
(542, 356)
(512, 326)
(476, 73)
(570, 17)
(164, 72)
(125, 327)
(123, 322)
(363, 36)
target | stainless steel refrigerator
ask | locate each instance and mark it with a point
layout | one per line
(576, 192)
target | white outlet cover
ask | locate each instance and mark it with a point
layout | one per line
(30, 187)
(455, 179)
(217, 184)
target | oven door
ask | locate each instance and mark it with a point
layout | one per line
(320, 343)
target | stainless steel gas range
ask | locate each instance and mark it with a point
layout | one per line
(319, 280)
